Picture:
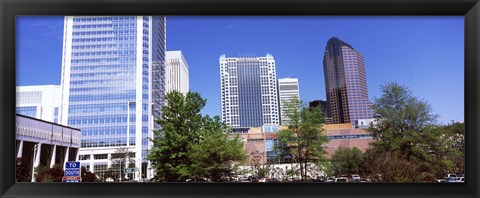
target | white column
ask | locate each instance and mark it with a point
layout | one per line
(127, 163)
(36, 153)
(77, 158)
(91, 163)
(20, 149)
(139, 92)
(149, 175)
(109, 163)
(54, 154)
(66, 155)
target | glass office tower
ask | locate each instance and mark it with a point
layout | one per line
(345, 83)
(113, 79)
(249, 91)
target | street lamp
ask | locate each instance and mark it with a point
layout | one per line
(35, 150)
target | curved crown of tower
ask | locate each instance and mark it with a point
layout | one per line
(337, 42)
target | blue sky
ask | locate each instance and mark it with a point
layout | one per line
(424, 53)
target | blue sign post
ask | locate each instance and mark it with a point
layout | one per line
(72, 172)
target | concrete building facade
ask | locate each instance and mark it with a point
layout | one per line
(113, 83)
(259, 142)
(176, 72)
(288, 89)
(249, 91)
(345, 83)
(45, 143)
(39, 101)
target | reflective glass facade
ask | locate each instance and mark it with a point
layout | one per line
(249, 91)
(28, 111)
(113, 78)
(345, 83)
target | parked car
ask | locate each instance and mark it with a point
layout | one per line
(450, 179)
(341, 179)
(330, 179)
(356, 178)
(454, 176)
(253, 178)
(243, 180)
(272, 180)
(461, 179)
(262, 179)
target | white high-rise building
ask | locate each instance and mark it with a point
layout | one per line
(176, 72)
(39, 101)
(287, 90)
(249, 91)
(113, 84)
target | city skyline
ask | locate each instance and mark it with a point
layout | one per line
(407, 48)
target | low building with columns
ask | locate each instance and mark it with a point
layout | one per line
(45, 143)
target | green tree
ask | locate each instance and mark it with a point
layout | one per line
(304, 136)
(45, 174)
(456, 132)
(407, 133)
(87, 176)
(189, 145)
(23, 170)
(180, 127)
(347, 160)
(215, 155)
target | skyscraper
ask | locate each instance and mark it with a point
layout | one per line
(345, 83)
(39, 101)
(176, 72)
(287, 90)
(249, 91)
(113, 81)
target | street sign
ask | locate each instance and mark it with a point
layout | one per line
(77, 181)
(72, 169)
(71, 179)
(130, 170)
(72, 165)
(72, 173)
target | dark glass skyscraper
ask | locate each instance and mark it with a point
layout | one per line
(345, 83)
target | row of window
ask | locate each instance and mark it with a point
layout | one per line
(105, 32)
(97, 39)
(120, 24)
(102, 60)
(116, 45)
(100, 18)
(106, 142)
(107, 67)
(333, 137)
(113, 130)
(28, 111)
(102, 81)
(104, 53)
(105, 119)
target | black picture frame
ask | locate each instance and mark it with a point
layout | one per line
(9, 9)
